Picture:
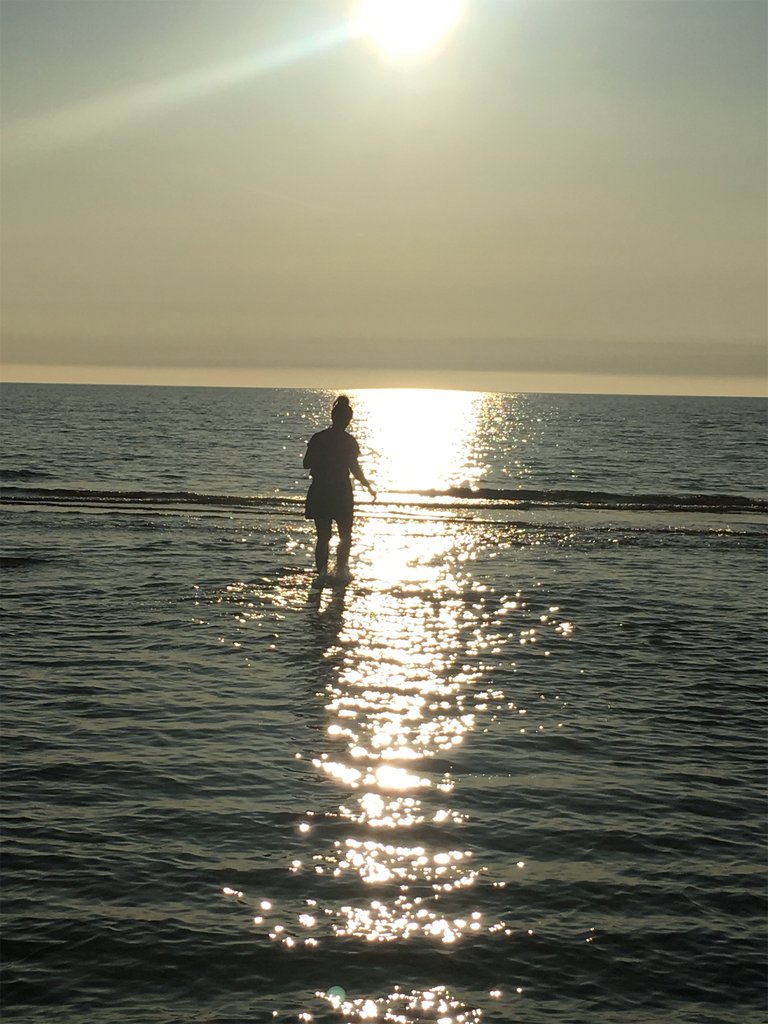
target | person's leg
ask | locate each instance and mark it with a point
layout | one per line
(323, 528)
(345, 545)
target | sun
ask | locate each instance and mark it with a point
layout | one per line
(407, 29)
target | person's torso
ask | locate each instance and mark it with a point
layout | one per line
(332, 454)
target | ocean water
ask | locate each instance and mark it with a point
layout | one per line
(514, 772)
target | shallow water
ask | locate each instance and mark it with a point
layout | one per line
(515, 771)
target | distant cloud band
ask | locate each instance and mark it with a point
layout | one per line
(672, 358)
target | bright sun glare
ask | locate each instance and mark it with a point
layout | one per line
(407, 29)
(416, 439)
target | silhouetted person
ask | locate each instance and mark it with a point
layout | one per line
(332, 455)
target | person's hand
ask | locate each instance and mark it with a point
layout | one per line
(371, 491)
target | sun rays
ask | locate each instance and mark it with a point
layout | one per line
(403, 30)
(77, 123)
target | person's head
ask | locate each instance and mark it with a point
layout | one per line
(341, 413)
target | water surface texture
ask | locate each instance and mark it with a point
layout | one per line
(513, 772)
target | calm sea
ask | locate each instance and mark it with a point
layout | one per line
(514, 772)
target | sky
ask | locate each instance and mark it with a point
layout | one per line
(565, 195)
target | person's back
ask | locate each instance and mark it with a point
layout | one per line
(331, 455)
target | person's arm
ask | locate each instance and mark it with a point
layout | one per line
(358, 474)
(307, 463)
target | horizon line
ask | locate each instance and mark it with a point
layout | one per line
(360, 378)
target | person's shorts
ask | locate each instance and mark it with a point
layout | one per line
(330, 502)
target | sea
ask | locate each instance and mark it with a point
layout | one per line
(514, 771)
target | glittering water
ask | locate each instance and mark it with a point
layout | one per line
(514, 771)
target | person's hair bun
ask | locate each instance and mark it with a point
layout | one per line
(341, 411)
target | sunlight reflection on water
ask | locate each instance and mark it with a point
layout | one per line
(416, 439)
(434, 1004)
(404, 659)
(397, 702)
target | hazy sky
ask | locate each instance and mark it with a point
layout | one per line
(569, 194)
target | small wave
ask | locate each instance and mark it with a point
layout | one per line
(454, 496)
(603, 500)
(87, 496)
(9, 562)
(23, 474)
